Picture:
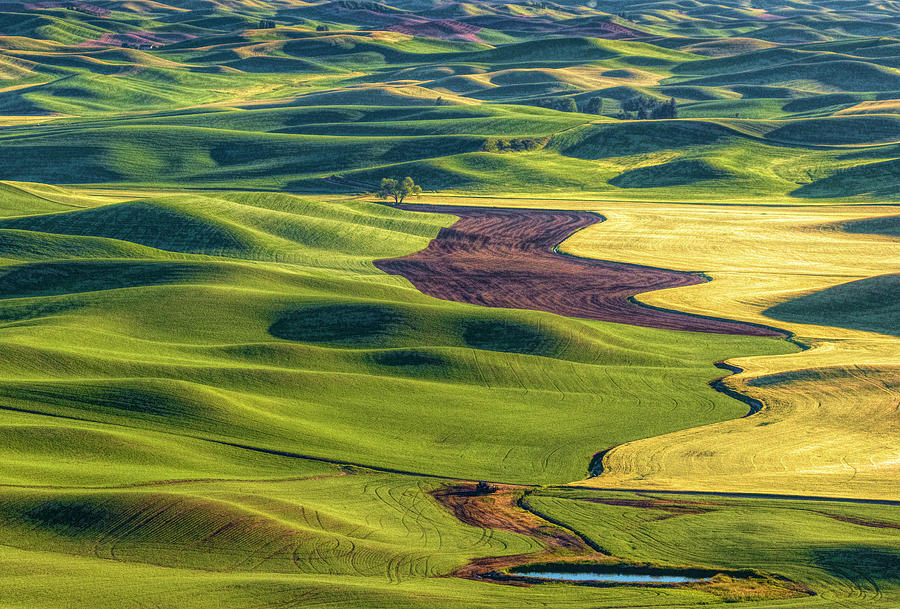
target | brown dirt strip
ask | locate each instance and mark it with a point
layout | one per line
(877, 524)
(506, 258)
(671, 508)
(501, 510)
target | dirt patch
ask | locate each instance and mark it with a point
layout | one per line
(506, 258)
(443, 29)
(671, 508)
(877, 524)
(501, 510)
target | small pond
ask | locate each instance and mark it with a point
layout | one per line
(621, 578)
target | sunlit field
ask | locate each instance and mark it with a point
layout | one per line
(628, 338)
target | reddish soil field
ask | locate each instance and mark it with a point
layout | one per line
(137, 38)
(500, 511)
(505, 258)
(603, 30)
(78, 6)
(444, 29)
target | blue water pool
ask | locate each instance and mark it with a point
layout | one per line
(624, 578)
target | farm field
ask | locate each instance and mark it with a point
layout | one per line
(642, 323)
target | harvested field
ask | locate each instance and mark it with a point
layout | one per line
(506, 258)
(829, 424)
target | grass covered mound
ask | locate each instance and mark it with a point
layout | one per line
(330, 97)
(258, 319)
(211, 397)
(676, 173)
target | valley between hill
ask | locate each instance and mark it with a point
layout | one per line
(230, 378)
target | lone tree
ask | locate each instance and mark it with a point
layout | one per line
(484, 487)
(398, 191)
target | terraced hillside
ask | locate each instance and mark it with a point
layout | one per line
(648, 300)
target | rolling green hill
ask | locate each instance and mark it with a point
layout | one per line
(300, 304)
(211, 397)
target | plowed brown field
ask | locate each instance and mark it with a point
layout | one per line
(506, 258)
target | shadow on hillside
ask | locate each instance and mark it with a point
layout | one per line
(871, 305)
(866, 565)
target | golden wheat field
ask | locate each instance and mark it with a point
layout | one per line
(829, 425)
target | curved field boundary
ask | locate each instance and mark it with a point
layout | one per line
(506, 258)
(728, 495)
(829, 424)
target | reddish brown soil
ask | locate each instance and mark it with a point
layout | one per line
(500, 511)
(672, 508)
(443, 29)
(878, 524)
(505, 258)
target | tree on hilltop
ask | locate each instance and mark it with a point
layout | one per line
(398, 191)
(647, 107)
(562, 104)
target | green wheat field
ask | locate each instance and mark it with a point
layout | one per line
(211, 397)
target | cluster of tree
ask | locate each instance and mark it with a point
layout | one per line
(322, 28)
(397, 190)
(640, 106)
(594, 105)
(266, 24)
(567, 104)
(645, 107)
(563, 104)
(518, 144)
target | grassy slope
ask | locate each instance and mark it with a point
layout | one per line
(699, 160)
(273, 368)
(107, 320)
(803, 542)
(149, 324)
(758, 124)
